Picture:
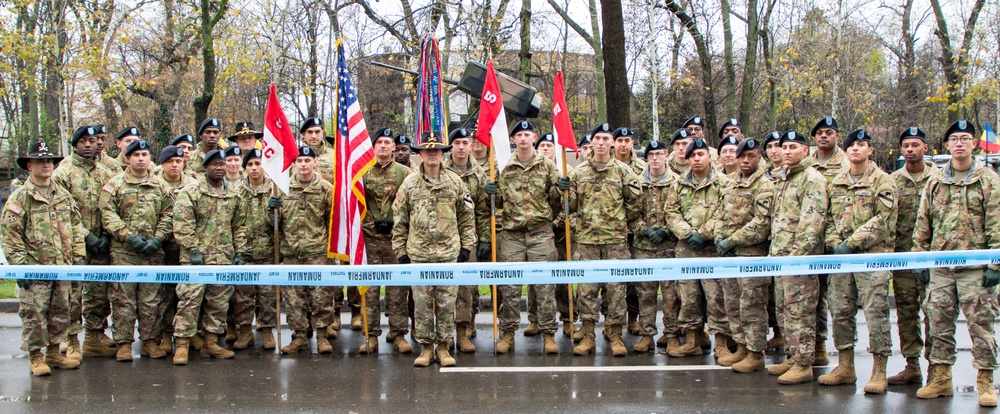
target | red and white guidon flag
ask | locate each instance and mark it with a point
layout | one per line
(492, 127)
(278, 149)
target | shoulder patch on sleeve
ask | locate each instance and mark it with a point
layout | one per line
(634, 187)
(14, 208)
(764, 206)
(399, 196)
(109, 188)
(887, 199)
(468, 201)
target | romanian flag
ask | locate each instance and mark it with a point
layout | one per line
(988, 142)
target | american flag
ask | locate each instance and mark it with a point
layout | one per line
(353, 156)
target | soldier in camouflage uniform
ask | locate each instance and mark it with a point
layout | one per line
(775, 156)
(958, 212)
(138, 211)
(256, 300)
(743, 230)
(83, 178)
(209, 133)
(607, 199)
(304, 224)
(433, 222)
(174, 175)
(692, 203)
(210, 227)
(185, 142)
(624, 144)
(41, 226)
(798, 217)
(727, 164)
(381, 183)
(910, 182)
(678, 144)
(472, 173)
(101, 157)
(530, 182)
(403, 150)
(861, 219)
(125, 137)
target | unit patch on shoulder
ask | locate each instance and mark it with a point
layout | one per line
(109, 188)
(764, 206)
(468, 201)
(634, 187)
(14, 208)
(886, 199)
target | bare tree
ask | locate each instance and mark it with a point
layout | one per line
(955, 65)
(593, 38)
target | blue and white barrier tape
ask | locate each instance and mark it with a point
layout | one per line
(593, 271)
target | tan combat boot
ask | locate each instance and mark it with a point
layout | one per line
(197, 342)
(690, 347)
(37, 364)
(124, 353)
(938, 382)
(231, 330)
(549, 343)
(614, 334)
(531, 330)
(844, 373)
(331, 332)
(299, 343)
(721, 348)
(588, 341)
(753, 362)
(703, 340)
(909, 375)
(984, 384)
(335, 325)
(506, 343)
(267, 338)
(367, 347)
(356, 320)
(462, 337)
(578, 334)
(92, 345)
(212, 348)
(151, 349)
(55, 359)
(567, 327)
(662, 341)
(181, 353)
(878, 383)
(166, 342)
(797, 375)
(402, 345)
(644, 345)
(781, 368)
(443, 357)
(244, 339)
(777, 342)
(732, 358)
(821, 357)
(426, 356)
(105, 339)
(673, 343)
(73, 348)
(323, 344)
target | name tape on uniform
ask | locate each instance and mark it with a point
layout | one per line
(517, 273)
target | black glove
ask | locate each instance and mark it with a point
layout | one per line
(273, 202)
(24, 284)
(843, 248)
(404, 260)
(383, 227)
(558, 227)
(695, 240)
(104, 244)
(240, 259)
(924, 275)
(725, 248)
(563, 184)
(991, 278)
(655, 234)
(463, 256)
(137, 243)
(196, 257)
(92, 241)
(491, 188)
(483, 252)
(152, 245)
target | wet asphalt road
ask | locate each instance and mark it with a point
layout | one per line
(258, 381)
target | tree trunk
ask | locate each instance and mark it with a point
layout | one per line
(616, 76)
(525, 53)
(704, 60)
(208, 21)
(654, 76)
(750, 63)
(727, 59)
(955, 67)
(599, 80)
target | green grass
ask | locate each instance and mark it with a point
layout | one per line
(7, 287)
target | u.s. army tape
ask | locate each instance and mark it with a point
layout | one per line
(593, 271)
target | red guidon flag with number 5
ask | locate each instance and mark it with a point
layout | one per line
(491, 129)
(278, 149)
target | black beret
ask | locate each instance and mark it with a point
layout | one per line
(653, 145)
(913, 132)
(771, 136)
(403, 140)
(584, 140)
(306, 151)
(384, 132)
(825, 122)
(309, 123)
(679, 135)
(170, 151)
(129, 131)
(694, 120)
(459, 133)
(182, 138)
(546, 137)
(697, 144)
(100, 129)
(82, 132)
(857, 135)
(232, 151)
(209, 123)
(793, 136)
(960, 126)
(729, 140)
(748, 144)
(254, 153)
(623, 132)
(731, 122)
(602, 128)
(212, 156)
(136, 146)
(523, 125)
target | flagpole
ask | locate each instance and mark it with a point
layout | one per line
(493, 244)
(277, 261)
(569, 250)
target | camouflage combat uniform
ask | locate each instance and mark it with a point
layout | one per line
(138, 206)
(797, 221)
(259, 300)
(433, 219)
(109, 162)
(829, 169)
(212, 220)
(171, 256)
(638, 165)
(474, 178)
(381, 184)
(862, 213)
(654, 197)
(959, 213)
(40, 228)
